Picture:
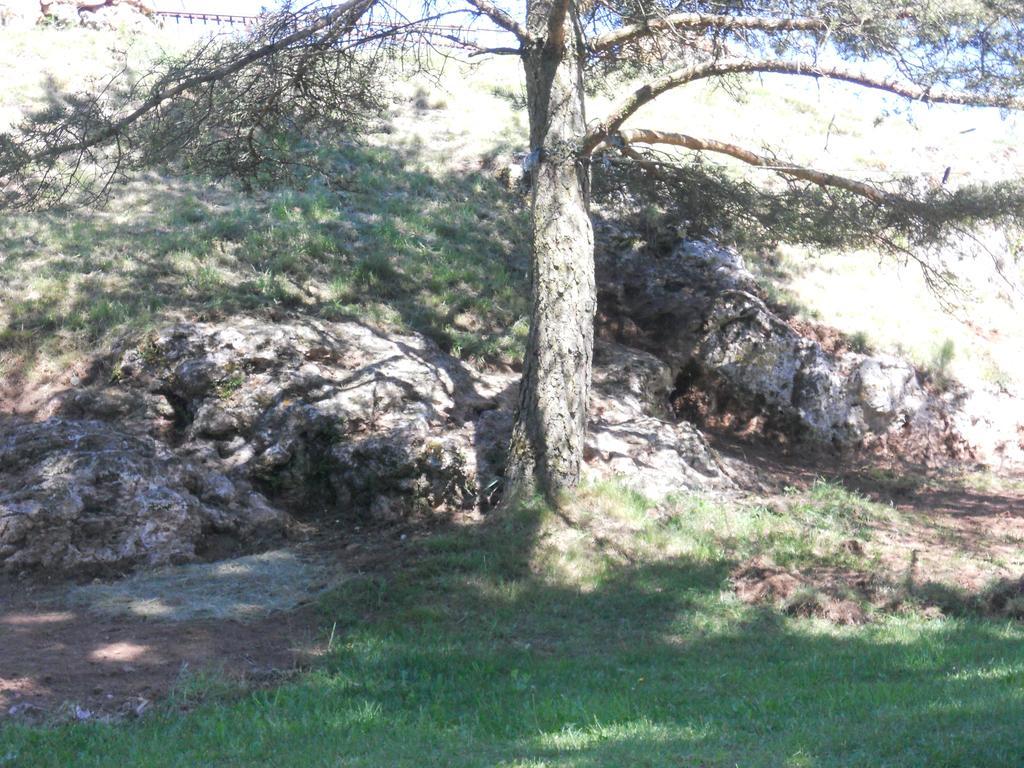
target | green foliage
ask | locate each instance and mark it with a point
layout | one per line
(216, 110)
(712, 202)
(939, 364)
(970, 45)
(228, 385)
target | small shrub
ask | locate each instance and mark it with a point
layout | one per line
(939, 365)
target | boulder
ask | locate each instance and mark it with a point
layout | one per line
(631, 377)
(323, 417)
(883, 390)
(631, 436)
(768, 366)
(79, 496)
(699, 310)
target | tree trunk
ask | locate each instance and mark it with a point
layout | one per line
(550, 426)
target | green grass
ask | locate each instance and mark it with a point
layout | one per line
(412, 249)
(605, 635)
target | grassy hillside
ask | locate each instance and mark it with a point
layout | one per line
(411, 228)
(403, 227)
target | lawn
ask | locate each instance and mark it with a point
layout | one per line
(604, 635)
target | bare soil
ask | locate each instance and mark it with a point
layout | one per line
(835, 594)
(956, 547)
(75, 664)
(60, 661)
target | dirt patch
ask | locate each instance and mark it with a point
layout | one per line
(950, 551)
(703, 400)
(1005, 598)
(832, 340)
(73, 664)
(36, 394)
(112, 650)
(834, 594)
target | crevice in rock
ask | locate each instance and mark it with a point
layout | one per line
(220, 545)
(302, 485)
(182, 414)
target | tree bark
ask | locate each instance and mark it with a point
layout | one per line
(550, 426)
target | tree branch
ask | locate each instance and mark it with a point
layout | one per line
(643, 136)
(652, 90)
(478, 51)
(346, 13)
(501, 18)
(691, 21)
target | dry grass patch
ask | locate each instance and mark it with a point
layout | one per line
(241, 588)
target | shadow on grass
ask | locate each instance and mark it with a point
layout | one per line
(657, 664)
(469, 653)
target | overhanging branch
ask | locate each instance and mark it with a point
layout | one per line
(501, 18)
(694, 21)
(679, 77)
(644, 136)
(344, 15)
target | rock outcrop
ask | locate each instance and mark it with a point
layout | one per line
(751, 352)
(632, 435)
(206, 432)
(337, 416)
(80, 496)
(232, 430)
(699, 310)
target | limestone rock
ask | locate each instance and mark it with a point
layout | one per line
(698, 309)
(81, 496)
(322, 416)
(622, 373)
(364, 423)
(831, 398)
(215, 428)
(653, 456)
(630, 435)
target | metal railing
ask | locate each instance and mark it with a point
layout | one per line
(194, 17)
(448, 36)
